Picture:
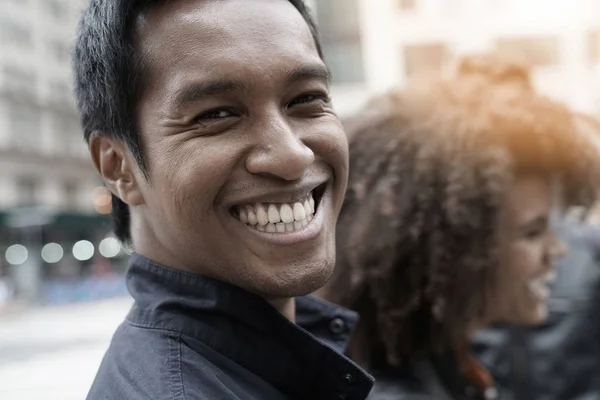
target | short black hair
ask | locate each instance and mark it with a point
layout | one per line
(108, 73)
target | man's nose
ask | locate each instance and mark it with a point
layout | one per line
(279, 152)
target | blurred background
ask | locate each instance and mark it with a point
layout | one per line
(61, 287)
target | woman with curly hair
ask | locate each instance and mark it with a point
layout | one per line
(446, 227)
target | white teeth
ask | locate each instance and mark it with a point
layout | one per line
(278, 217)
(261, 215)
(307, 209)
(243, 216)
(252, 220)
(539, 288)
(273, 214)
(299, 213)
(286, 213)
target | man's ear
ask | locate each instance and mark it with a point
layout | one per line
(116, 166)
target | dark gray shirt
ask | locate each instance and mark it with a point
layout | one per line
(188, 337)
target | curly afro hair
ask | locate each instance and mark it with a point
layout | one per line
(429, 169)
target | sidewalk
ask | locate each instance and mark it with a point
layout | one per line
(54, 352)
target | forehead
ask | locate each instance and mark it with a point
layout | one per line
(224, 37)
(530, 197)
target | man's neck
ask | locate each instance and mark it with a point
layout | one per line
(287, 307)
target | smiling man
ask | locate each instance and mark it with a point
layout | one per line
(211, 123)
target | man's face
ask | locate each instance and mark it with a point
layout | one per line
(247, 161)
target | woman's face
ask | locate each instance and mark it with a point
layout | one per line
(528, 249)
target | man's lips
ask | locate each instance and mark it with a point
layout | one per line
(280, 217)
(283, 193)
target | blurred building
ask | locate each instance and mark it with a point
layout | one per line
(374, 44)
(48, 188)
(342, 35)
(53, 210)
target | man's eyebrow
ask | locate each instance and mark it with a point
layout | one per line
(199, 90)
(308, 72)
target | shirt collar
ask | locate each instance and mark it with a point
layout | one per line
(247, 329)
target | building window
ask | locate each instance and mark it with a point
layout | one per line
(70, 195)
(19, 82)
(60, 51)
(340, 39)
(27, 191)
(345, 61)
(60, 91)
(14, 34)
(56, 9)
(424, 58)
(535, 51)
(24, 127)
(407, 5)
(67, 134)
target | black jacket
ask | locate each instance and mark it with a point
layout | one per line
(189, 338)
(559, 360)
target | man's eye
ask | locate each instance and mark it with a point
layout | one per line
(310, 98)
(214, 115)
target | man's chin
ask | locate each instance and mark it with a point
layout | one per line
(303, 281)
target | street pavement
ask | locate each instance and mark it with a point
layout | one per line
(54, 352)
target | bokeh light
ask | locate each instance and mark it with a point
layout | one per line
(102, 200)
(16, 254)
(52, 253)
(83, 250)
(109, 247)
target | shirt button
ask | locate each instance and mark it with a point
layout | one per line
(336, 326)
(349, 378)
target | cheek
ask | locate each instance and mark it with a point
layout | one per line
(520, 263)
(329, 143)
(527, 259)
(187, 181)
(326, 137)
(526, 262)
